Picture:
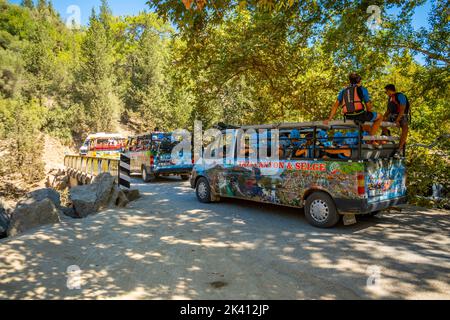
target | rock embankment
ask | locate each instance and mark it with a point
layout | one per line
(43, 206)
(5, 218)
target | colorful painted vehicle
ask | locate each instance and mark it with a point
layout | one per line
(330, 171)
(103, 145)
(151, 157)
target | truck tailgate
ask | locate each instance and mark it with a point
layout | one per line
(385, 179)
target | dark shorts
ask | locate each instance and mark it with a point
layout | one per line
(403, 120)
(365, 116)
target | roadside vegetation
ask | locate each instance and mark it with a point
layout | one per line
(244, 62)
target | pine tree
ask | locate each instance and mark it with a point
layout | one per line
(42, 5)
(96, 78)
(28, 4)
(105, 16)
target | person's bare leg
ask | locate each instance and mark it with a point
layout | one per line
(376, 125)
(404, 136)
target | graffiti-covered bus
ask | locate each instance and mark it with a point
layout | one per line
(151, 157)
(103, 145)
(329, 170)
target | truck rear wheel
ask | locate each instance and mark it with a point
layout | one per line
(146, 176)
(320, 210)
(374, 213)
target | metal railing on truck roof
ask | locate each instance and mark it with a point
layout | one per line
(364, 151)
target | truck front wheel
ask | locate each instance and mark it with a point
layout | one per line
(203, 190)
(320, 210)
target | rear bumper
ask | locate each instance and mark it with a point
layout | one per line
(362, 206)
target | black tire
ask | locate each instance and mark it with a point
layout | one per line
(147, 177)
(375, 213)
(185, 177)
(320, 210)
(203, 190)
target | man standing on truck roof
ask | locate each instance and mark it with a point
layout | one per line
(398, 112)
(356, 105)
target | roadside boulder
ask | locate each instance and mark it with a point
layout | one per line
(84, 200)
(4, 218)
(40, 195)
(118, 198)
(70, 212)
(132, 195)
(90, 199)
(33, 214)
(105, 184)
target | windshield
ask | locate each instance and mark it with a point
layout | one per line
(167, 146)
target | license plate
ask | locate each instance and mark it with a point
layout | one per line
(165, 164)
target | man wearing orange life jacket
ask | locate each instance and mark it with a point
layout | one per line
(356, 105)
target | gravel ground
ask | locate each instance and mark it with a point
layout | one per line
(167, 245)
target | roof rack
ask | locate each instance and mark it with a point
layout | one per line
(319, 124)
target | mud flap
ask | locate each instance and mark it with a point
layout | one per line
(349, 219)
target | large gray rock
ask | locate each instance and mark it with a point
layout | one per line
(29, 216)
(84, 200)
(40, 195)
(105, 183)
(89, 199)
(4, 218)
(70, 212)
(132, 194)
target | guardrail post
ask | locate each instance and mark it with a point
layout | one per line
(124, 171)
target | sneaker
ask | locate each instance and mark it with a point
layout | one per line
(397, 154)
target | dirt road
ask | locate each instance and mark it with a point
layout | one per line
(169, 246)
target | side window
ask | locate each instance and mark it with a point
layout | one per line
(337, 143)
(299, 144)
(285, 147)
(146, 144)
(133, 144)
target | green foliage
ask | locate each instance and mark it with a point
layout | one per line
(426, 168)
(21, 123)
(95, 77)
(240, 62)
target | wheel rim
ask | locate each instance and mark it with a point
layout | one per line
(202, 190)
(319, 210)
(144, 174)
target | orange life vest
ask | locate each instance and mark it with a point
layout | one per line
(352, 102)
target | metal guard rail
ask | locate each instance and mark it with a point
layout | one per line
(92, 166)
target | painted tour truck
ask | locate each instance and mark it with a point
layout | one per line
(103, 145)
(151, 156)
(329, 170)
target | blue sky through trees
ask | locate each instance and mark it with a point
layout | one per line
(130, 7)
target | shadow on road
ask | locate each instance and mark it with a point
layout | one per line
(167, 245)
